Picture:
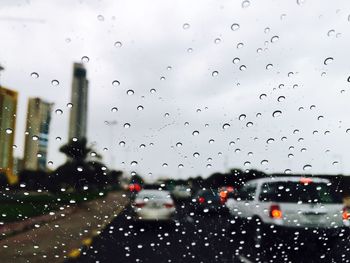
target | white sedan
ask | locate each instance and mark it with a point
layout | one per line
(153, 205)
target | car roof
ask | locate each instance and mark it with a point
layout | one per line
(287, 179)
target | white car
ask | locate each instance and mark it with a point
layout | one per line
(153, 205)
(288, 210)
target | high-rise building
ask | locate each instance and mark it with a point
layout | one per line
(78, 114)
(37, 134)
(8, 108)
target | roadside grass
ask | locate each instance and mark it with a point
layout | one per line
(21, 205)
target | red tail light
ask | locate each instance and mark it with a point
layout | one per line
(139, 205)
(346, 213)
(275, 212)
(169, 205)
(201, 200)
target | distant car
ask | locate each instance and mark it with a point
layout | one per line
(288, 209)
(208, 201)
(153, 205)
(181, 192)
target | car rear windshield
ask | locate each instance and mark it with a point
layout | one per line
(294, 192)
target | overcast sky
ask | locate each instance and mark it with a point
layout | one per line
(185, 42)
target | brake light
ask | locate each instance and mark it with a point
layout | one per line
(169, 205)
(304, 180)
(275, 212)
(201, 200)
(346, 213)
(139, 205)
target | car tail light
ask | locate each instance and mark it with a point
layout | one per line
(169, 205)
(139, 205)
(201, 200)
(346, 213)
(275, 212)
(305, 180)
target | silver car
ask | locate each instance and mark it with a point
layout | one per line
(154, 205)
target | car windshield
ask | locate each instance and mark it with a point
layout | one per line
(296, 192)
(188, 104)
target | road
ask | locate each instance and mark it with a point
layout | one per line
(198, 238)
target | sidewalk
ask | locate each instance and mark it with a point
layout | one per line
(54, 240)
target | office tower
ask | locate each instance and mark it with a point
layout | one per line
(8, 108)
(37, 134)
(78, 114)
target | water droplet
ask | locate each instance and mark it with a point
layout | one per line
(196, 155)
(237, 150)
(264, 162)
(274, 39)
(211, 141)
(262, 96)
(34, 75)
(114, 109)
(69, 105)
(270, 140)
(127, 125)
(269, 66)
(347, 130)
(245, 4)
(237, 60)
(195, 133)
(214, 73)
(55, 82)
(307, 167)
(287, 171)
(59, 112)
(246, 163)
(301, 2)
(142, 146)
(180, 166)
(235, 27)
(320, 117)
(281, 98)
(242, 117)
(8, 131)
(178, 144)
(276, 113)
(121, 143)
(153, 91)
(162, 78)
(240, 45)
(249, 124)
(100, 18)
(231, 143)
(226, 126)
(331, 32)
(186, 26)
(290, 155)
(85, 59)
(118, 44)
(133, 163)
(217, 40)
(35, 138)
(115, 83)
(58, 138)
(140, 107)
(328, 60)
(266, 30)
(242, 68)
(186, 123)
(165, 165)
(259, 50)
(209, 166)
(130, 92)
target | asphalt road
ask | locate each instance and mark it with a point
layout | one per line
(195, 238)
